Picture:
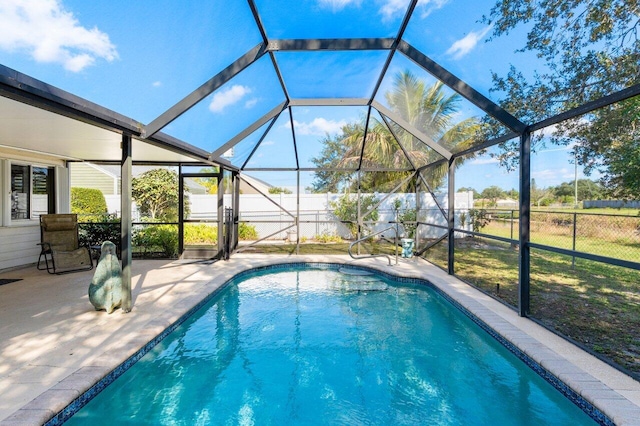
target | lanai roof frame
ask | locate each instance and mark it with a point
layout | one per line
(270, 46)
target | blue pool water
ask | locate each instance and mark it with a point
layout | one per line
(310, 346)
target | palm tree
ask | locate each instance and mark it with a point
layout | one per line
(427, 108)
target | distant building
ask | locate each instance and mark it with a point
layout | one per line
(106, 178)
(507, 203)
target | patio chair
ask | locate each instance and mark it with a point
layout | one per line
(60, 247)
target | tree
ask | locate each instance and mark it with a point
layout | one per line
(346, 209)
(333, 151)
(513, 193)
(278, 190)
(610, 144)
(493, 193)
(428, 108)
(589, 49)
(156, 194)
(587, 190)
(538, 195)
(210, 183)
(476, 194)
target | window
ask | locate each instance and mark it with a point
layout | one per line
(19, 192)
(32, 191)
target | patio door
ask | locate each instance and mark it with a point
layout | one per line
(199, 228)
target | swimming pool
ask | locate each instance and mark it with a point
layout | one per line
(314, 345)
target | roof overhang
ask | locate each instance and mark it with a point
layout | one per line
(44, 120)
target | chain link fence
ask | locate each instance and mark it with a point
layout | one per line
(615, 236)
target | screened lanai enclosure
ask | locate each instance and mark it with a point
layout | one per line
(478, 132)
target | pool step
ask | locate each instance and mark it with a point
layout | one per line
(358, 283)
(355, 272)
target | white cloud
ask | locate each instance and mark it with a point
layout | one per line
(548, 131)
(251, 103)
(156, 84)
(337, 5)
(562, 148)
(391, 8)
(319, 126)
(482, 161)
(228, 97)
(50, 34)
(466, 44)
(267, 143)
(428, 6)
(549, 177)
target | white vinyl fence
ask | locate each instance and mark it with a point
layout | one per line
(316, 213)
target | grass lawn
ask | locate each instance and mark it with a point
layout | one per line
(594, 304)
(611, 239)
(322, 248)
(624, 212)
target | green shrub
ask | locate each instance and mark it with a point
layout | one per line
(247, 232)
(346, 209)
(278, 190)
(200, 234)
(101, 228)
(163, 238)
(407, 216)
(328, 238)
(88, 201)
(479, 219)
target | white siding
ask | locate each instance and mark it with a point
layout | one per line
(19, 245)
(5, 190)
(85, 176)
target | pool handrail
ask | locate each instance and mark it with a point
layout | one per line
(393, 227)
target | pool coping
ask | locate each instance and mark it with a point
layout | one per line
(608, 405)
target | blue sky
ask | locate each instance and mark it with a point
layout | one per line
(550, 166)
(139, 58)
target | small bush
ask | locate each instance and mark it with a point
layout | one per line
(479, 219)
(247, 232)
(328, 238)
(88, 201)
(346, 209)
(278, 190)
(163, 238)
(407, 216)
(98, 229)
(200, 234)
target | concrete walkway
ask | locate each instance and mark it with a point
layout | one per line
(54, 346)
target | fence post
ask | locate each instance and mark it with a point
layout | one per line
(512, 225)
(524, 274)
(451, 219)
(358, 218)
(575, 226)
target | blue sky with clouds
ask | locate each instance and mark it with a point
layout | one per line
(139, 58)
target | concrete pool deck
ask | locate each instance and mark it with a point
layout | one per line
(54, 346)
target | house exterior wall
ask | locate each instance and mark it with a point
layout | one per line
(83, 175)
(19, 238)
(19, 245)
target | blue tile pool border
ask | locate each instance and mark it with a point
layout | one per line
(67, 412)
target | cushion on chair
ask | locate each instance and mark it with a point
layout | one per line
(58, 226)
(72, 259)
